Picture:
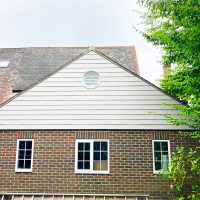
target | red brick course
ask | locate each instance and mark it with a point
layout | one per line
(131, 163)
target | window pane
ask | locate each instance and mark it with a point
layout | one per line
(87, 146)
(161, 155)
(87, 165)
(80, 165)
(164, 146)
(141, 198)
(21, 154)
(27, 164)
(165, 154)
(28, 155)
(100, 155)
(80, 155)
(28, 144)
(96, 155)
(104, 156)
(104, 146)
(87, 156)
(165, 160)
(157, 146)
(96, 146)
(20, 164)
(158, 165)
(104, 165)
(80, 146)
(157, 156)
(21, 144)
(96, 165)
(164, 164)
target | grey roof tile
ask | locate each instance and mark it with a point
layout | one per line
(35, 63)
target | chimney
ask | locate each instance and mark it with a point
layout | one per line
(6, 95)
(166, 70)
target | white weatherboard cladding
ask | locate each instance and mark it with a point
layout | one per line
(121, 101)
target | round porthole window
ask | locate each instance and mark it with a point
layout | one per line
(91, 79)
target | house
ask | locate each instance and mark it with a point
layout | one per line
(82, 124)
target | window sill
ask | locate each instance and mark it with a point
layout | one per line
(92, 172)
(158, 172)
(23, 170)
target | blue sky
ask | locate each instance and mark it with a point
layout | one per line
(36, 23)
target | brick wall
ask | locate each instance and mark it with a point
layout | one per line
(131, 163)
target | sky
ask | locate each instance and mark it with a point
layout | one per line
(50, 23)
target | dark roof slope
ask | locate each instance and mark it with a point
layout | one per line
(35, 63)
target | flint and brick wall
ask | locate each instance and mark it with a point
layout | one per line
(131, 163)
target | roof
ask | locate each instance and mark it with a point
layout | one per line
(122, 100)
(35, 63)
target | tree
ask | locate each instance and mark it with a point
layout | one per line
(173, 25)
(184, 174)
(184, 83)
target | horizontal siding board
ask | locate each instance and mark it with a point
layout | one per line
(100, 61)
(80, 75)
(106, 73)
(81, 117)
(106, 79)
(100, 88)
(91, 56)
(29, 111)
(86, 107)
(99, 70)
(82, 121)
(95, 92)
(88, 67)
(88, 126)
(121, 101)
(89, 102)
(80, 84)
(65, 97)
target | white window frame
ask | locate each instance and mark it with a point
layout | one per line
(91, 171)
(169, 155)
(17, 151)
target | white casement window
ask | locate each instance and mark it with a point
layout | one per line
(24, 155)
(92, 156)
(161, 155)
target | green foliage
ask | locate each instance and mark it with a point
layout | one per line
(174, 26)
(184, 174)
(185, 86)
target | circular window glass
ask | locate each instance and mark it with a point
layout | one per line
(91, 79)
